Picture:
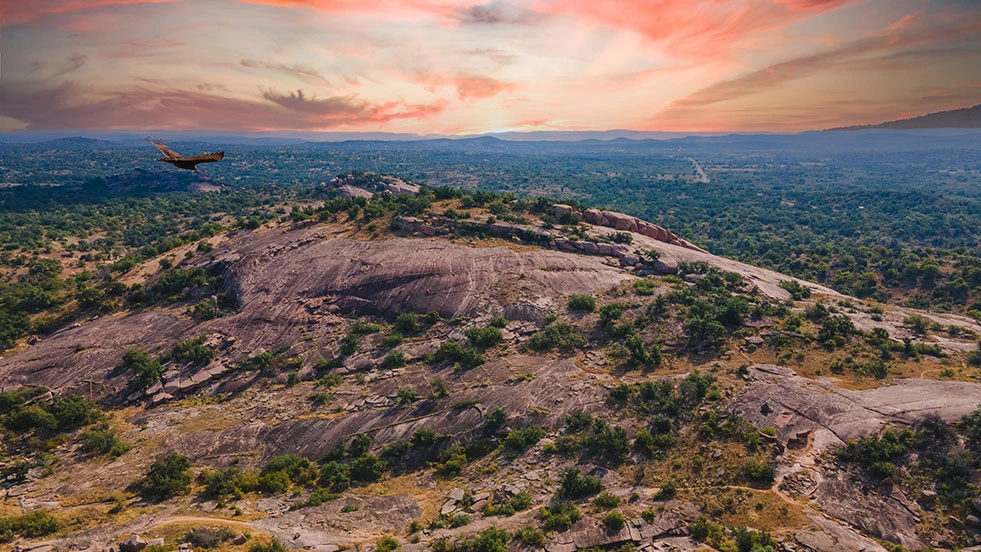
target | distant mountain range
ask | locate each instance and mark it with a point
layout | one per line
(968, 117)
(946, 121)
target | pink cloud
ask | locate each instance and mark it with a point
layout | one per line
(688, 29)
(468, 86)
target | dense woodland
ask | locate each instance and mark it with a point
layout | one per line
(879, 221)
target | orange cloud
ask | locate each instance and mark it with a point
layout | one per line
(20, 11)
(870, 53)
(468, 86)
(693, 29)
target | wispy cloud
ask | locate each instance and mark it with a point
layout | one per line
(295, 70)
(69, 106)
(779, 74)
(17, 12)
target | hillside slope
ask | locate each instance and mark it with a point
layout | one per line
(449, 366)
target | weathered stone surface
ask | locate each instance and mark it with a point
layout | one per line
(352, 191)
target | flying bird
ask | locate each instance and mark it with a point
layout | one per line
(181, 162)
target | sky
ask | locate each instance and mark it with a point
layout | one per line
(460, 67)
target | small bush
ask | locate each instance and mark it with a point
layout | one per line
(406, 395)
(530, 536)
(103, 442)
(560, 515)
(576, 485)
(451, 350)
(758, 472)
(146, 371)
(520, 440)
(459, 520)
(167, 478)
(407, 323)
(208, 537)
(614, 521)
(273, 546)
(484, 337)
(582, 303)
(386, 544)
(394, 359)
(36, 524)
(494, 420)
(606, 501)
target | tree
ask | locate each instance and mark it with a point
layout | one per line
(167, 478)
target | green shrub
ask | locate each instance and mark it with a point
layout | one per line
(559, 515)
(146, 371)
(365, 328)
(439, 389)
(576, 485)
(491, 539)
(193, 351)
(614, 521)
(424, 438)
(227, 482)
(406, 395)
(394, 359)
(276, 482)
(459, 520)
(386, 544)
(484, 337)
(273, 546)
(494, 420)
(498, 322)
(758, 472)
(582, 303)
(451, 460)
(606, 501)
(166, 478)
(530, 536)
(103, 441)
(292, 464)
(36, 524)
(393, 340)
(557, 335)
(452, 351)
(520, 440)
(208, 537)
(368, 468)
(407, 323)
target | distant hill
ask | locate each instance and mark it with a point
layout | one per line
(968, 117)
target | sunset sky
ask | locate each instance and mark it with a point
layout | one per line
(459, 67)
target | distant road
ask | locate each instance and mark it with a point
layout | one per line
(702, 177)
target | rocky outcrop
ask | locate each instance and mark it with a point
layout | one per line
(367, 183)
(627, 223)
(351, 191)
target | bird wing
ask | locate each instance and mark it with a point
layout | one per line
(206, 157)
(164, 149)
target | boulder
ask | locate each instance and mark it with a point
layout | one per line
(593, 216)
(559, 210)
(134, 543)
(620, 221)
